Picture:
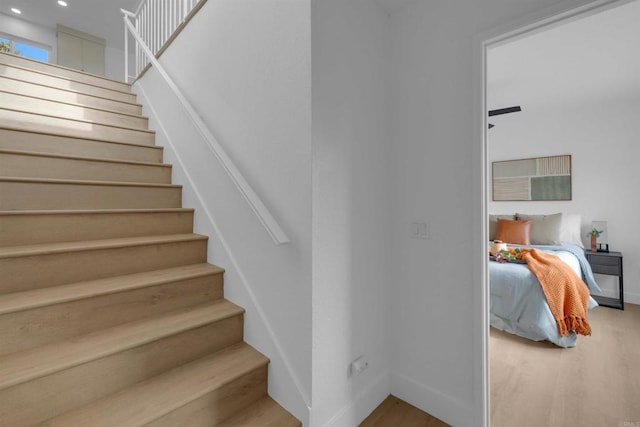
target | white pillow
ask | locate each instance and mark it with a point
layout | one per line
(570, 230)
(493, 224)
(545, 229)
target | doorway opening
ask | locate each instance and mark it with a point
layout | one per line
(546, 20)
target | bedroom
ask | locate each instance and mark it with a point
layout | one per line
(579, 97)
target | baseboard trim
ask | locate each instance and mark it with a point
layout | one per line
(441, 406)
(362, 404)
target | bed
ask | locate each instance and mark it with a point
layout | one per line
(517, 302)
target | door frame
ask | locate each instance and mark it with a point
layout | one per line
(562, 13)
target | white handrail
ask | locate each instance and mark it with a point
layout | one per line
(259, 209)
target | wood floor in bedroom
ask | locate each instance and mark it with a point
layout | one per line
(596, 383)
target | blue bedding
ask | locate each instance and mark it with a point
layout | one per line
(518, 305)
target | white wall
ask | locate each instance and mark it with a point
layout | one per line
(114, 62)
(436, 316)
(246, 67)
(386, 92)
(351, 208)
(601, 137)
(29, 31)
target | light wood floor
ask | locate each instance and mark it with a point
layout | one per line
(394, 412)
(596, 383)
(534, 384)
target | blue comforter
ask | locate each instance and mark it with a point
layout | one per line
(518, 305)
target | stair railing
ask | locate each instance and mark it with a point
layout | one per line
(259, 209)
(157, 21)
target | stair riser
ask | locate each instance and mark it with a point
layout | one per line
(33, 229)
(63, 72)
(66, 84)
(60, 95)
(45, 143)
(74, 128)
(40, 271)
(218, 405)
(58, 196)
(60, 321)
(43, 398)
(69, 111)
(32, 166)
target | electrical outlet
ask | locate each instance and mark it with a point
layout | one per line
(359, 365)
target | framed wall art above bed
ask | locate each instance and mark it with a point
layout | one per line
(538, 178)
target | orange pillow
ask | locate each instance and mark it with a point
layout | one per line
(514, 232)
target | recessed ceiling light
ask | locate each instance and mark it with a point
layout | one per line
(16, 10)
(62, 3)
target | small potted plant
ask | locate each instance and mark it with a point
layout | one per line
(594, 234)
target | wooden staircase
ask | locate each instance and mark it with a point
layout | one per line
(110, 314)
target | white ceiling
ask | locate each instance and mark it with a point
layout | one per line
(587, 60)
(101, 18)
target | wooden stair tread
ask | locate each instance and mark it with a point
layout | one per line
(73, 104)
(98, 359)
(86, 182)
(18, 301)
(51, 67)
(83, 158)
(264, 413)
(93, 211)
(64, 135)
(66, 89)
(27, 365)
(158, 396)
(89, 122)
(52, 248)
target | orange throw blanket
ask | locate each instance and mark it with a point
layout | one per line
(567, 295)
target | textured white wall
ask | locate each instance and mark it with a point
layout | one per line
(351, 208)
(389, 140)
(246, 67)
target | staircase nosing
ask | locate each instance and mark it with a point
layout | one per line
(86, 182)
(186, 394)
(42, 249)
(86, 348)
(84, 158)
(88, 138)
(32, 70)
(94, 211)
(77, 92)
(32, 299)
(72, 104)
(147, 131)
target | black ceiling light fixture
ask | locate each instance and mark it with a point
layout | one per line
(500, 111)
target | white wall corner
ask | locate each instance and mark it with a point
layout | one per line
(359, 407)
(446, 408)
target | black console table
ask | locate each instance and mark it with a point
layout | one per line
(609, 263)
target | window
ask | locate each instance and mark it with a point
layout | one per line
(24, 48)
